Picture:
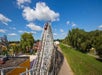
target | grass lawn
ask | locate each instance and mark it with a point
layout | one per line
(80, 63)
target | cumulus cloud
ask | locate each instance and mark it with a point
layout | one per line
(32, 26)
(100, 27)
(40, 12)
(12, 28)
(64, 34)
(21, 3)
(2, 31)
(21, 31)
(68, 22)
(55, 29)
(55, 34)
(33, 32)
(73, 24)
(61, 30)
(4, 19)
(12, 34)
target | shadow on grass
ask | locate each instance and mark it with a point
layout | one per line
(99, 59)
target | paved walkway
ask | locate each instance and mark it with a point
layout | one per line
(32, 57)
(65, 68)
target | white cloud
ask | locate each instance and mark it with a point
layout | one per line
(61, 30)
(4, 19)
(100, 27)
(68, 22)
(55, 34)
(12, 28)
(33, 32)
(64, 34)
(73, 24)
(21, 31)
(32, 26)
(21, 3)
(12, 34)
(2, 31)
(40, 12)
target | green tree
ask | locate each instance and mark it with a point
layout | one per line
(84, 41)
(26, 42)
(14, 47)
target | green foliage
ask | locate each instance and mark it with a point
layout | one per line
(14, 47)
(26, 42)
(81, 64)
(84, 41)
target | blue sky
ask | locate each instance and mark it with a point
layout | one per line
(19, 16)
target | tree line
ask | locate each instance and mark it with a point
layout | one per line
(25, 45)
(84, 41)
